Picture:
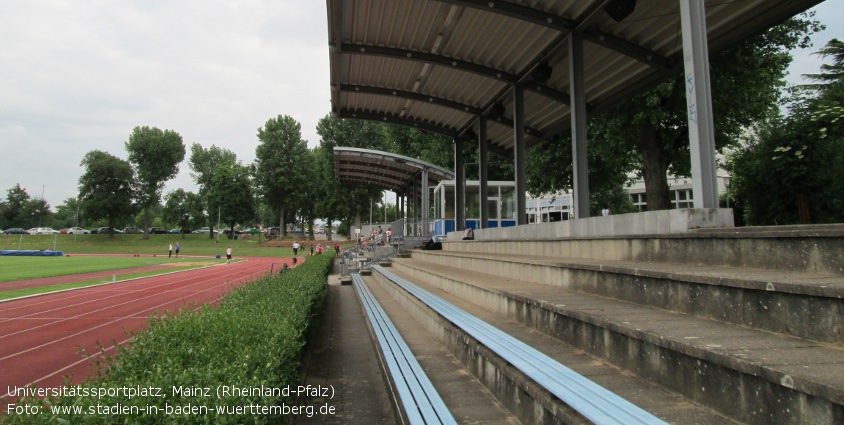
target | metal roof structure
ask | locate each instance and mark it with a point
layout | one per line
(385, 170)
(440, 65)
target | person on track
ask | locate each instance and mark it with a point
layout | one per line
(169, 250)
(177, 249)
(228, 255)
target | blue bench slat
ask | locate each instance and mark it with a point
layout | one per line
(590, 399)
(422, 402)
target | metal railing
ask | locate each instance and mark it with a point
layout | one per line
(365, 256)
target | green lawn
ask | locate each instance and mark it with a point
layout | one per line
(15, 293)
(133, 244)
(21, 268)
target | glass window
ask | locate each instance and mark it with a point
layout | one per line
(449, 204)
(508, 203)
(472, 199)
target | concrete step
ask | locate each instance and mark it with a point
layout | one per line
(749, 375)
(527, 400)
(793, 248)
(801, 304)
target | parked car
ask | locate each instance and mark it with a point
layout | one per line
(252, 231)
(204, 230)
(132, 230)
(42, 231)
(77, 231)
(106, 231)
(15, 231)
(158, 231)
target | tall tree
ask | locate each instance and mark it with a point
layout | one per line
(791, 172)
(106, 188)
(203, 163)
(13, 207)
(230, 195)
(67, 214)
(185, 209)
(282, 165)
(155, 155)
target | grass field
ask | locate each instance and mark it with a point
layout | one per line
(15, 293)
(133, 244)
(23, 268)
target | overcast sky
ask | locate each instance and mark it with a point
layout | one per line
(80, 75)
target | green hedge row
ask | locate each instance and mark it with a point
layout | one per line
(250, 344)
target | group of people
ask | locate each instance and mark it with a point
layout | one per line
(386, 237)
(296, 247)
(320, 247)
(170, 250)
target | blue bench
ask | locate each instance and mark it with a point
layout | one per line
(420, 400)
(591, 400)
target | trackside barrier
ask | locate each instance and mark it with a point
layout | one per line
(420, 400)
(591, 400)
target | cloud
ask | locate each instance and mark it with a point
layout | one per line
(78, 76)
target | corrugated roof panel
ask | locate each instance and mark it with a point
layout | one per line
(646, 44)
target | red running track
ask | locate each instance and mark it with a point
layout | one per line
(42, 339)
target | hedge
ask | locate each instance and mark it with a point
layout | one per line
(251, 344)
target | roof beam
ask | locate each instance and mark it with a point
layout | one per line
(411, 95)
(403, 54)
(379, 169)
(634, 51)
(383, 117)
(555, 22)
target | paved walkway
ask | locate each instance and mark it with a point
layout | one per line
(341, 356)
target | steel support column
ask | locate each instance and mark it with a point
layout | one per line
(424, 194)
(578, 114)
(460, 186)
(482, 171)
(699, 104)
(519, 152)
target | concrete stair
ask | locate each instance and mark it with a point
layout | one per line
(742, 325)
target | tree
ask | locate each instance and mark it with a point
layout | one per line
(106, 188)
(67, 214)
(203, 163)
(230, 194)
(36, 212)
(13, 207)
(791, 172)
(156, 155)
(185, 209)
(282, 165)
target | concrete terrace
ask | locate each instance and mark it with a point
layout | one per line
(691, 324)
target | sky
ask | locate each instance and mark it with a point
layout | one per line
(79, 76)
